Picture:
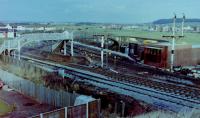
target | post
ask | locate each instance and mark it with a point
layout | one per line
(107, 54)
(123, 108)
(8, 47)
(115, 107)
(72, 44)
(51, 45)
(13, 32)
(183, 25)
(173, 43)
(87, 111)
(65, 48)
(14, 53)
(99, 108)
(4, 44)
(102, 46)
(115, 58)
(65, 112)
(41, 115)
(18, 42)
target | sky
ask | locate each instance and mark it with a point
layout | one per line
(101, 11)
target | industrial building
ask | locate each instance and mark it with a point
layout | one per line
(8, 31)
(158, 53)
(185, 55)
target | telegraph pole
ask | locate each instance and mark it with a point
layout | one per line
(102, 53)
(174, 36)
(72, 43)
(173, 42)
(183, 21)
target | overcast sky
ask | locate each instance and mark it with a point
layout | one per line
(116, 11)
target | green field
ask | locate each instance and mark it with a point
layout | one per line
(4, 108)
(190, 38)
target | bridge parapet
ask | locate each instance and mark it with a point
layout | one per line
(19, 42)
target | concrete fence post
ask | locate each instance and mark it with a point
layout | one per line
(41, 115)
(87, 110)
(99, 108)
(115, 110)
(65, 112)
(123, 108)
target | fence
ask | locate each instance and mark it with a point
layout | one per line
(28, 66)
(39, 92)
(89, 110)
(45, 95)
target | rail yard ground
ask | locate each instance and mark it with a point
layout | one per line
(126, 88)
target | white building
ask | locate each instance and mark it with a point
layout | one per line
(21, 28)
(7, 31)
(8, 27)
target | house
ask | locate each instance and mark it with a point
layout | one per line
(7, 31)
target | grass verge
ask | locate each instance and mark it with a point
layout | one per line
(4, 108)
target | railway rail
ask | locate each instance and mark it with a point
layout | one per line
(155, 74)
(155, 82)
(181, 90)
(162, 94)
(156, 79)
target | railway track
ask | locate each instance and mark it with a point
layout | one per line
(153, 74)
(183, 91)
(145, 80)
(152, 82)
(160, 94)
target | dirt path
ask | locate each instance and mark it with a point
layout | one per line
(25, 106)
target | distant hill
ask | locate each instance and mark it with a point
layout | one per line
(178, 20)
(1, 24)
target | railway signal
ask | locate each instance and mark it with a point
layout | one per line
(72, 43)
(183, 21)
(174, 36)
(102, 47)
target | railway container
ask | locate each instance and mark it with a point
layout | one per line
(156, 56)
